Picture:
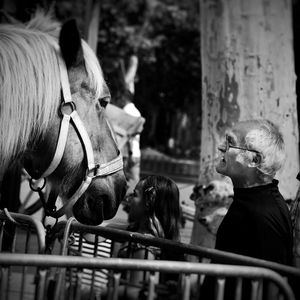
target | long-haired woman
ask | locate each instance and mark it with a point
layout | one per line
(154, 211)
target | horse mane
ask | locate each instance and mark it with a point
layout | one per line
(30, 84)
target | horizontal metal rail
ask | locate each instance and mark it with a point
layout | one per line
(167, 245)
(48, 261)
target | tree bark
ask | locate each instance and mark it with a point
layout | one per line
(248, 72)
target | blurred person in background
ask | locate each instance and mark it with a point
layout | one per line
(131, 151)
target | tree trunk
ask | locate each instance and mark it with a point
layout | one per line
(247, 72)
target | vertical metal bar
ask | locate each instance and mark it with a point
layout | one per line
(24, 269)
(4, 279)
(8, 282)
(63, 294)
(60, 279)
(41, 285)
(199, 282)
(146, 255)
(13, 250)
(220, 288)
(151, 288)
(110, 286)
(78, 285)
(80, 244)
(58, 284)
(187, 287)
(115, 294)
(28, 235)
(66, 236)
(238, 289)
(92, 292)
(127, 276)
(254, 289)
(198, 285)
(112, 247)
(13, 245)
(1, 234)
(260, 290)
(71, 284)
(280, 297)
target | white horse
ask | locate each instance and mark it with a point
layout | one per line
(51, 119)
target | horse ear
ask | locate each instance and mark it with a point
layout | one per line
(70, 44)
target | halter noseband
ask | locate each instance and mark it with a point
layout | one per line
(93, 170)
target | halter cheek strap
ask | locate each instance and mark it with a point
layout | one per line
(93, 170)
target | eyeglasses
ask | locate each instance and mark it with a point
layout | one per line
(228, 145)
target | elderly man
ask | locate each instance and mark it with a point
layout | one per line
(257, 223)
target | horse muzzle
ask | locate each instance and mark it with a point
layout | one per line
(95, 206)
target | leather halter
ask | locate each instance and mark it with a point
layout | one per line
(93, 170)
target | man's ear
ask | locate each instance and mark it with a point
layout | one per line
(256, 161)
(70, 44)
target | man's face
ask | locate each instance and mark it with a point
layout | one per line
(228, 163)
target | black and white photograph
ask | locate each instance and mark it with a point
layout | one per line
(149, 150)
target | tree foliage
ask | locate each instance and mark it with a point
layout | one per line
(165, 36)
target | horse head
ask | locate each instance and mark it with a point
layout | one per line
(80, 160)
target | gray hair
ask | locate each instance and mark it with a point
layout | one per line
(266, 138)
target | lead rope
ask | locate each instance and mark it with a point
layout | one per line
(48, 211)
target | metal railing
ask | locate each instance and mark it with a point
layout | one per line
(14, 225)
(19, 234)
(175, 247)
(257, 276)
(63, 232)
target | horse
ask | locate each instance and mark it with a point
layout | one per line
(53, 121)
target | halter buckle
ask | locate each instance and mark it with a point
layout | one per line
(65, 108)
(93, 171)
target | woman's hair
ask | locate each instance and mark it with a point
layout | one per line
(161, 197)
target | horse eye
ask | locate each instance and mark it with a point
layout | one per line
(103, 102)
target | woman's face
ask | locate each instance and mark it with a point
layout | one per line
(137, 207)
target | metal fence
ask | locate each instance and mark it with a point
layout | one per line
(81, 246)
(65, 232)
(19, 234)
(76, 264)
(65, 228)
